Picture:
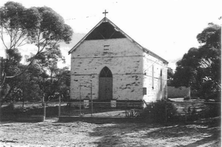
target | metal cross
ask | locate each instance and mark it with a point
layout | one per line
(105, 13)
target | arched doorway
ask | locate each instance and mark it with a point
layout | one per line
(105, 84)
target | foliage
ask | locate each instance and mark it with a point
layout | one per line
(63, 83)
(12, 66)
(43, 28)
(58, 83)
(159, 111)
(170, 75)
(35, 84)
(28, 83)
(213, 110)
(200, 67)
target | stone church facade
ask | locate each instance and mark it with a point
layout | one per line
(107, 64)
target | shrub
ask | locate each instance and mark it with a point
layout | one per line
(187, 98)
(213, 110)
(159, 111)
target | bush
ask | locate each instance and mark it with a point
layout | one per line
(187, 98)
(159, 111)
(213, 110)
(9, 109)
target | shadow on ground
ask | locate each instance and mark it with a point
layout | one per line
(130, 134)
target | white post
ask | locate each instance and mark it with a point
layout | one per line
(91, 100)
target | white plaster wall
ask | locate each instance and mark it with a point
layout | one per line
(154, 83)
(130, 66)
(122, 57)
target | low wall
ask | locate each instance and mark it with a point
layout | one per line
(98, 119)
(32, 118)
(107, 104)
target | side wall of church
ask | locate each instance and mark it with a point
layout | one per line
(121, 56)
(155, 78)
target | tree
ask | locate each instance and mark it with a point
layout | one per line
(12, 66)
(28, 83)
(170, 75)
(200, 67)
(58, 83)
(39, 26)
(187, 67)
(63, 82)
(48, 61)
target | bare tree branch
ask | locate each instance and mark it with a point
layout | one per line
(17, 40)
(20, 44)
(14, 37)
(2, 38)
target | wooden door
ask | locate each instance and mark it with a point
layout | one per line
(105, 84)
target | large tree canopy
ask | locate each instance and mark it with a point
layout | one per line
(200, 68)
(40, 26)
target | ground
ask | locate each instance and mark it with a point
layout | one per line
(53, 133)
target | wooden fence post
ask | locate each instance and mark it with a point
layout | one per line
(91, 100)
(59, 113)
(1, 70)
(80, 107)
(44, 108)
(165, 111)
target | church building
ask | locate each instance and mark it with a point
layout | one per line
(107, 64)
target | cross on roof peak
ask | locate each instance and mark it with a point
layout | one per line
(105, 12)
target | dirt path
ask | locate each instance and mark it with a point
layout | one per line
(51, 133)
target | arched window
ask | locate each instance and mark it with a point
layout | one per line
(105, 72)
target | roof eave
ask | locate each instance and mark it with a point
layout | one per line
(81, 41)
(105, 19)
(154, 55)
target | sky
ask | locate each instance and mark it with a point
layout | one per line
(166, 27)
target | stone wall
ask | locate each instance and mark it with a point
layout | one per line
(155, 78)
(130, 66)
(121, 56)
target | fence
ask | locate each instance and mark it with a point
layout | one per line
(23, 111)
(193, 109)
(111, 109)
(30, 111)
(182, 111)
(167, 110)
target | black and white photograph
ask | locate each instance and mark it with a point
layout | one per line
(110, 73)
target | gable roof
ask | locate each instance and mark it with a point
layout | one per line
(106, 29)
